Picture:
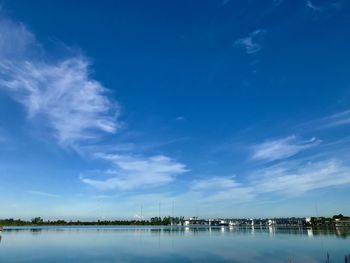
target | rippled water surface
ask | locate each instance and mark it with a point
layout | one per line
(162, 244)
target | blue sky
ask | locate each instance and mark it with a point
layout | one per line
(224, 108)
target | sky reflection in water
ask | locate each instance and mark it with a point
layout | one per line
(153, 244)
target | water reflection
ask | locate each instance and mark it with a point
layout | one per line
(272, 231)
(222, 229)
(309, 232)
(173, 244)
(343, 232)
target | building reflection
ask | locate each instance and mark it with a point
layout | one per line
(253, 231)
(341, 232)
(310, 232)
(222, 229)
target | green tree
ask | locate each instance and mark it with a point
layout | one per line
(37, 221)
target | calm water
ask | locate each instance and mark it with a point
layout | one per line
(160, 244)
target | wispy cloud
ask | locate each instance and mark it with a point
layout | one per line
(335, 120)
(296, 178)
(180, 118)
(277, 2)
(312, 6)
(62, 93)
(288, 179)
(225, 2)
(131, 172)
(42, 194)
(64, 97)
(252, 43)
(330, 4)
(220, 188)
(16, 41)
(282, 148)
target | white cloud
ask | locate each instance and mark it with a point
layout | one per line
(288, 179)
(220, 188)
(281, 148)
(251, 44)
(335, 120)
(131, 172)
(16, 41)
(295, 178)
(42, 194)
(180, 118)
(215, 182)
(64, 95)
(311, 5)
(330, 4)
(225, 2)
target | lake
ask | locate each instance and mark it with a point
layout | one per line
(168, 244)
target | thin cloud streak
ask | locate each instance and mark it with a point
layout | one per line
(282, 148)
(294, 178)
(312, 6)
(42, 194)
(252, 43)
(221, 188)
(288, 179)
(335, 120)
(180, 118)
(323, 7)
(130, 172)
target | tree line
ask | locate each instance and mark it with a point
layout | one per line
(315, 221)
(38, 221)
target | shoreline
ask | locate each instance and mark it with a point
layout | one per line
(323, 227)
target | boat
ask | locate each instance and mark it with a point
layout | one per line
(1, 228)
